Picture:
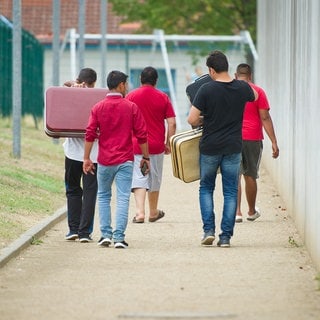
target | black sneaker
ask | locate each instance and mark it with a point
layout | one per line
(224, 243)
(104, 242)
(121, 245)
(85, 239)
(71, 236)
(207, 239)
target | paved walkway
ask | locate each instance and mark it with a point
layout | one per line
(165, 273)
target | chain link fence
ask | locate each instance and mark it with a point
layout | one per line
(32, 72)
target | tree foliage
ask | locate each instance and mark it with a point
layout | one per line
(199, 17)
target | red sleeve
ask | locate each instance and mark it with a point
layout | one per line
(92, 127)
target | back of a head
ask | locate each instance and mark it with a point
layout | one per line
(218, 61)
(149, 75)
(88, 76)
(244, 71)
(115, 78)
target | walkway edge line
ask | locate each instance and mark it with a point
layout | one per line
(26, 238)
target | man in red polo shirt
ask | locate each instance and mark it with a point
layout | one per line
(113, 121)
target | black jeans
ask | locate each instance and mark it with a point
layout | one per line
(81, 201)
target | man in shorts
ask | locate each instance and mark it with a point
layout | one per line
(158, 111)
(256, 116)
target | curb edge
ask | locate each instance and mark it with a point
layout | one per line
(24, 241)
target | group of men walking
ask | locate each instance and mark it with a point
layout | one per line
(128, 135)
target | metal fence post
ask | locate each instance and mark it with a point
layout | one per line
(56, 43)
(103, 43)
(81, 28)
(16, 78)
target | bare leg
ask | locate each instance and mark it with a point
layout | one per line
(140, 199)
(251, 193)
(238, 212)
(153, 203)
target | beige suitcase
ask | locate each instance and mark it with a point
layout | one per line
(185, 155)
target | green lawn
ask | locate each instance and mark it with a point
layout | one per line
(31, 187)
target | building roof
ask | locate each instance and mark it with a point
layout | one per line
(36, 17)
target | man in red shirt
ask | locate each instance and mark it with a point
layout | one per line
(157, 109)
(256, 116)
(114, 121)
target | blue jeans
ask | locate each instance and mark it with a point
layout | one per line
(229, 167)
(122, 174)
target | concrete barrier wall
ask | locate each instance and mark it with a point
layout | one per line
(288, 68)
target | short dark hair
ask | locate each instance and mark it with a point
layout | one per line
(87, 75)
(149, 75)
(115, 78)
(217, 61)
(244, 69)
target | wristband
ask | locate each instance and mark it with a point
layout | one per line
(145, 158)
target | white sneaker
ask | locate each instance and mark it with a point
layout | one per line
(238, 218)
(255, 216)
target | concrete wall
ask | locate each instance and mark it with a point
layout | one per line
(179, 60)
(288, 68)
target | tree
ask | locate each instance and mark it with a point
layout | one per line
(200, 17)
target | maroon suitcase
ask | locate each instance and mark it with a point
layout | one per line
(67, 110)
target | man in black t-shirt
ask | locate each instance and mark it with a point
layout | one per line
(218, 106)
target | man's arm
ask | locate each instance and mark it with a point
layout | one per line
(194, 117)
(145, 156)
(171, 130)
(268, 127)
(88, 165)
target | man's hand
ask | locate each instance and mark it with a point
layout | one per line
(88, 167)
(145, 166)
(79, 85)
(275, 151)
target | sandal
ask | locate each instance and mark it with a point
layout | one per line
(135, 220)
(159, 216)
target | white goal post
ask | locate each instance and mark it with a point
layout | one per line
(158, 37)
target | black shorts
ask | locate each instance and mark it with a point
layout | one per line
(251, 157)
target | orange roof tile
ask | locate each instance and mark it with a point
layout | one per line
(36, 17)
